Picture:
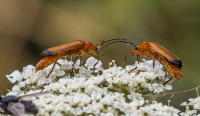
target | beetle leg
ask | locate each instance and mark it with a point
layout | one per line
(54, 65)
(133, 52)
(74, 63)
(95, 65)
(81, 61)
(138, 59)
(161, 58)
(95, 56)
(133, 69)
(58, 64)
(168, 81)
(154, 64)
(165, 73)
(146, 54)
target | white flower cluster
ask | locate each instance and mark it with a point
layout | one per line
(192, 108)
(137, 78)
(157, 109)
(116, 91)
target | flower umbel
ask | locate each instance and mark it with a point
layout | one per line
(117, 91)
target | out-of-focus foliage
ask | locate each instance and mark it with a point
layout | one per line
(28, 27)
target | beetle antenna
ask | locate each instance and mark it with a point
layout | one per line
(99, 42)
(100, 54)
(112, 40)
(115, 42)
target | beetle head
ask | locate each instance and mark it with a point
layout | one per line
(95, 49)
(136, 47)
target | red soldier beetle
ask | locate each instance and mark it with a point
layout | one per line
(77, 48)
(159, 53)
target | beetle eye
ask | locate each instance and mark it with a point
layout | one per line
(136, 47)
(97, 48)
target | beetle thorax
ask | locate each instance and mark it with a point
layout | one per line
(90, 46)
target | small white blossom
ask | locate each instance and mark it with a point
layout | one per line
(16, 88)
(91, 61)
(15, 76)
(12, 94)
(56, 86)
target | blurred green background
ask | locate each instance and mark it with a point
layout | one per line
(29, 26)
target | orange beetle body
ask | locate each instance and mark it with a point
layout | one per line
(77, 48)
(159, 53)
(46, 62)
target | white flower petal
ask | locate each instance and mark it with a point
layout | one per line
(91, 61)
(13, 77)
